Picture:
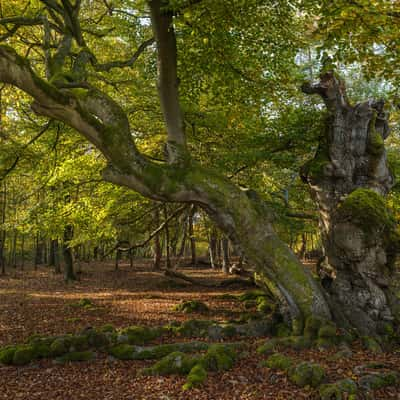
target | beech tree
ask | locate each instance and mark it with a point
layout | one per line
(61, 88)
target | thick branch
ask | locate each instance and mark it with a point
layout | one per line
(162, 22)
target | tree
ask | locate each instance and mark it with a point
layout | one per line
(68, 95)
(349, 177)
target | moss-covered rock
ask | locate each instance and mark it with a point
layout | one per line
(269, 346)
(377, 381)
(76, 356)
(23, 355)
(96, 338)
(278, 361)
(325, 343)
(306, 373)
(339, 390)
(191, 306)
(193, 328)
(60, 346)
(79, 343)
(174, 363)
(122, 351)
(140, 335)
(196, 377)
(219, 357)
(7, 354)
(107, 328)
(292, 342)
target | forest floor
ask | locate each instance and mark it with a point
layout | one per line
(41, 302)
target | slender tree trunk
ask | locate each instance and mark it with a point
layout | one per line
(225, 255)
(117, 258)
(22, 252)
(56, 250)
(167, 241)
(181, 252)
(348, 178)
(69, 273)
(213, 248)
(157, 245)
(191, 236)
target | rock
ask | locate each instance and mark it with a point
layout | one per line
(339, 390)
(219, 357)
(122, 351)
(196, 377)
(306, 373)
(377, 381)
(23, 355)
(174, 363)
(7, 355)
(312, 327)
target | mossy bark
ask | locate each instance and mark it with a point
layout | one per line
(349, 180)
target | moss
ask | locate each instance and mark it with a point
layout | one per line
(42, 347)
(375, 144)
(196, 377)
(252, 295)
(79, 343)
(370, 344)
(292, 342)
(278, 361)
(193, 327)
(367, 209)
(378, 381)
(174, 363)
(23, 355)
(282, 330)
(324, 343)
(327, 330)
(312, 327)
(122, 351)
(264, 306)
(107, 328)
(228, 330)
(306, 373)
(297, 326)
(219, 357)
(60, 346)
(140, 335)
(191, 306)
(97, 339)
(76, 356)
(7, 354)
(338, 390)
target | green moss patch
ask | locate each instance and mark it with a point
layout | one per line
(196, 377)
(192, 306)
(306, 373)
(378, 381)
(140, 335)
(219, 357)
(174, 363)
(339, 390)
(278, 361)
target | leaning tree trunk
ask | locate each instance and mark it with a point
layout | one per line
(349, 178)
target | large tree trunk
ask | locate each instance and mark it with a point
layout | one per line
(348, 178)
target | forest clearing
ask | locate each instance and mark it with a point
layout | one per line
(39, 302)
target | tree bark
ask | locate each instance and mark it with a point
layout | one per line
(157, 244)
(192, 237)
(225, 255)
(69, 273)
(213, 248)
(349, 178)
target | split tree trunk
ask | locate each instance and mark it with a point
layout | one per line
(349, 178)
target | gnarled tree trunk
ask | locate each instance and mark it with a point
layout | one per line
(349, 178)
